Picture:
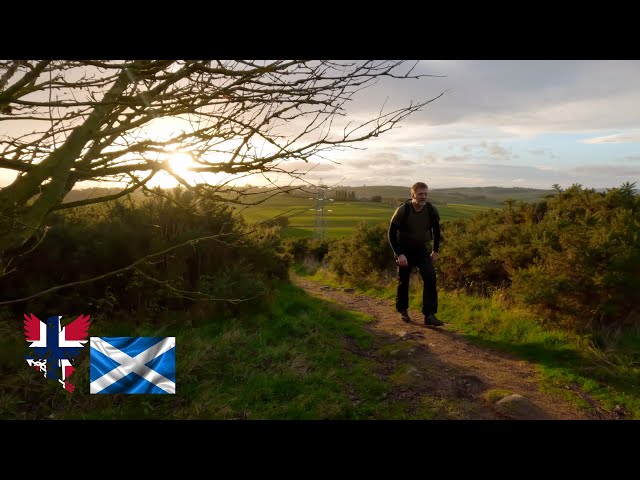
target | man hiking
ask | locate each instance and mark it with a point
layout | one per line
(413, 226)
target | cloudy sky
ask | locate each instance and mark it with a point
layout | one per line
(507, 123)
(525, 123)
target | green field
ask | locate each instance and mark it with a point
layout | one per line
(298, 206)
(342, 217)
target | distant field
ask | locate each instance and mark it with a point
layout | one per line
(451, 202)
(343, 216)
(485, 196)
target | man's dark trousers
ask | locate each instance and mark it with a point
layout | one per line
(422, 260)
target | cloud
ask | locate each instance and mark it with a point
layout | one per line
(465, 174)
(523, 98)
(383, 159)
(492, 149)
(429, 158)
(616, 138)
(483, 151)
(543, 152)
(457, 158)
(387, 157)
(299, 166)
(608, 170)
(498, 151)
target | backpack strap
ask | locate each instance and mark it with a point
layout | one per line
(432, 214)
(405, 214)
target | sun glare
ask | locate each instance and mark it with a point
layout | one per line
(180, 164)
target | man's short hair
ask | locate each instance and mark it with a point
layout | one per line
(416, 186)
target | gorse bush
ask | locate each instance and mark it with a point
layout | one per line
(574, 257)
(300, 249)
(591, 241)
(366, 252)
(235, 262)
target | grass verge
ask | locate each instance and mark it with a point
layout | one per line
(608, 370)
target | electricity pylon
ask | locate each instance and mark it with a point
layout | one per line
(320, 207)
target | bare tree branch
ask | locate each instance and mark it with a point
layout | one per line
(105, 198)
(76, 121)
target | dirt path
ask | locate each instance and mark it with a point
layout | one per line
(438, 369)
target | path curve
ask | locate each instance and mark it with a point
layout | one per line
(444, 368)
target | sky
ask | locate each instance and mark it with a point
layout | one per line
(528, 123)
(524, 123)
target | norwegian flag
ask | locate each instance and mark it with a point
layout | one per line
(55, 348)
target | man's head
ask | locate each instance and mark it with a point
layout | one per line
(419, 193)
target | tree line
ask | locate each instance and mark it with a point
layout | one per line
(344, 195)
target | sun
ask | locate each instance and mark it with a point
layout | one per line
(181, 164)
(177, 161)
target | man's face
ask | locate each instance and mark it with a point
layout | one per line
(420, 196)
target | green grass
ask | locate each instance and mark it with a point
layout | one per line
(344, 216)
(610, 375)
(294, 361)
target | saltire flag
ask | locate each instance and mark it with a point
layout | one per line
(55, 348)
(133, 365)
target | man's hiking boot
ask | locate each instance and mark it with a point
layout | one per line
(404, 315)
(432, 320)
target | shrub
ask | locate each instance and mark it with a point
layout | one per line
(91, 241)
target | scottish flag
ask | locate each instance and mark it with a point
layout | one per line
(133, 365)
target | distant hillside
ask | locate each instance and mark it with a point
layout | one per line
(489, 195)
(84, 193)
(483, 196)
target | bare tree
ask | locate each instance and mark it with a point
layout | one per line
(92, 120)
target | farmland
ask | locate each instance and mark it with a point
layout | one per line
(341, 216)
(298, 206)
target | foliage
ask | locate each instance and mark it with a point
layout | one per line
(574, 256)
(303, 248)
(344, 195)
(235, 262)
(366, 252)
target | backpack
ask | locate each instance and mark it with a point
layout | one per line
(435, 218)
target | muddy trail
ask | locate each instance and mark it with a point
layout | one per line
(436, 368)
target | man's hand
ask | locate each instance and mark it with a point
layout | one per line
(434, 256)
(402, 261)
